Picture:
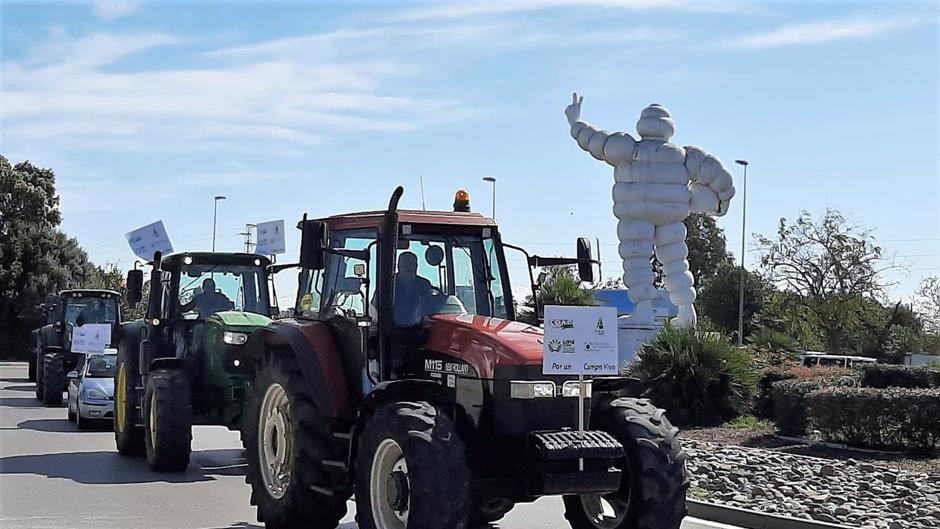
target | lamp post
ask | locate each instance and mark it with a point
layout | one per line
(492, 180)
(215, 217)
(744, 164)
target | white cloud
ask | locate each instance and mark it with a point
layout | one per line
(851, 28)
(459, 10)
(114, 9)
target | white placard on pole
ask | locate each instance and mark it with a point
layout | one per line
(91, 338)
(149, 239)
(271, 238)
(580, 341)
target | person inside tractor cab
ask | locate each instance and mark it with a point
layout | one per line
(411, 291)
(209, 301)
(94, 312)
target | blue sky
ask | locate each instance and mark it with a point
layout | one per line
(147, 110)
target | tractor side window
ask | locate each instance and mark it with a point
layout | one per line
(463, 278)
(498, 296)
(345, 289)
(309, 293)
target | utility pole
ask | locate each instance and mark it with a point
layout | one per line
(215, 217)
(743, 163)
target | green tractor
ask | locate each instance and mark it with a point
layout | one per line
(184, 364)
(52, 343)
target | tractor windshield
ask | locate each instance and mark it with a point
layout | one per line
(88, 309)
(205, 289)
(448, 274)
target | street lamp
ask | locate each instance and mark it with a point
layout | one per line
(215, 217)
(741, 282)
(492, 180)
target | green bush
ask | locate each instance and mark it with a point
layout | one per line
(895, 376)
(766, 339)
(789, 404)
(698, 377)
(763, 400)
(880, 418)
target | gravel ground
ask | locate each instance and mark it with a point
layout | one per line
(848, 492)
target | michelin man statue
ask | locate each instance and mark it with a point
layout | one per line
(657, 185)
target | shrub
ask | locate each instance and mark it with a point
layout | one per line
(766, 339)
(789, 398)
(881, 418)
(894, 376)
(698, 377)
(763, 400)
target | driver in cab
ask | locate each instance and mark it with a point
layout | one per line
(411, 290)
(209, 301)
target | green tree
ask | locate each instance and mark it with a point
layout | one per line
(719, 294)
(831, 264)
(559, 286)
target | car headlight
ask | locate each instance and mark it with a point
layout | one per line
(572, 388)
(94, 394)
(524, 389)
(234, 338)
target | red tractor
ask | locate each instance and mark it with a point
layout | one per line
(403, 378)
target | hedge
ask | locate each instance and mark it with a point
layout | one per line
(880, 418)
(763, 401)
(895, 376)
(789, 404)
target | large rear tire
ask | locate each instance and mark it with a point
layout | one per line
(168, 428)
(53, 379)
(411, 470)
(286, 441)
(128, 435)
(652, 494)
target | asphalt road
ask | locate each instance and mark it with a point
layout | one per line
(54, 476)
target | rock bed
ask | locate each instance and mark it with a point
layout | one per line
(845, 492)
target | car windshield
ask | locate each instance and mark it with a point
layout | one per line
(82, 310)
(205, 289)
(447, 274)
(102, 366)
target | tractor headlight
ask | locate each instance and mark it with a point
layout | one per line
(524, 389)
(572, 388)
(94, 394)
(234, 338)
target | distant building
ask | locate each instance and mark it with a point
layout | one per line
(921, 359)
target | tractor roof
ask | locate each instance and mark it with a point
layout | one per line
(375, 219)
(78, 292)
(234, 258)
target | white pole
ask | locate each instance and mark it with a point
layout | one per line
(581, 395)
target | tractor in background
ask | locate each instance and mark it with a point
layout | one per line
(185, 362)
(52, 343)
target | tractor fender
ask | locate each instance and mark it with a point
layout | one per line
(395, 391)
(166, 363)
(314, 347)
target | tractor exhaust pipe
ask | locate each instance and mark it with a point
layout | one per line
(386, 280)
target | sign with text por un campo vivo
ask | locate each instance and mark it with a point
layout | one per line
(271, 238)
(148, 240)
(580, 341)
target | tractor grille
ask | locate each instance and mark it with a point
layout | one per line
(570, 444)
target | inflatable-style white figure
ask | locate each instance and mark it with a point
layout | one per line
(657, 185)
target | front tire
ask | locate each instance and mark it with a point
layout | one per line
(128, 436)
(80, 423)
(655, 481)
(168, 429)
(286, 440)
(31, 372)
(39, 377)
(53, 379)
(411, 470)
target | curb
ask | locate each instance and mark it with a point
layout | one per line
(749, 519)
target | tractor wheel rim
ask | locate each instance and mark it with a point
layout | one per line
(120, 418)
(275, 441)
(606, 511)
(389, 486)
(153, 420)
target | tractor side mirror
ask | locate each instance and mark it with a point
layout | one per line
(72, 375)
(585, 260)
(313, 243)
(135, 287)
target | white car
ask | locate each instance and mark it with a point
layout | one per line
(91, 389)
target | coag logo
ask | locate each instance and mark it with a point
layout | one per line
(561, 324)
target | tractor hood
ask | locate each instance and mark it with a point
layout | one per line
(484, 342)
(232, 318)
